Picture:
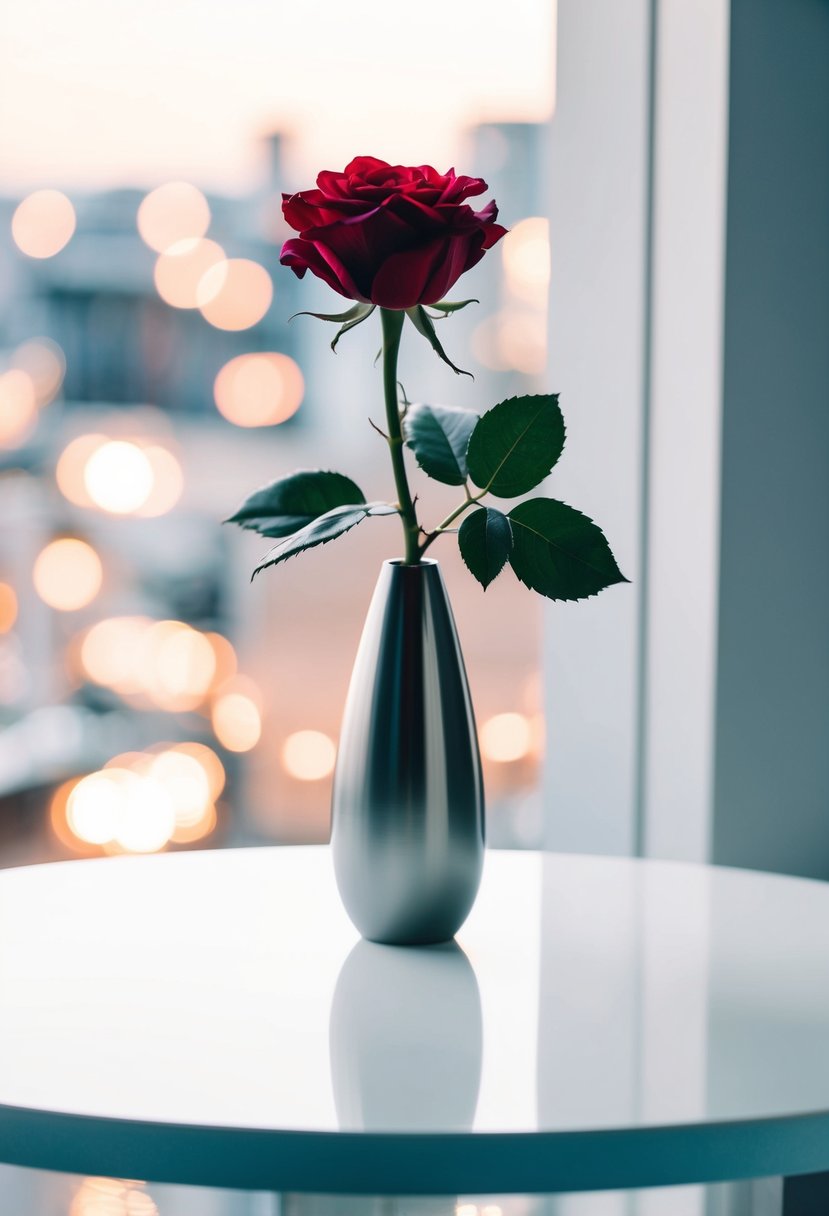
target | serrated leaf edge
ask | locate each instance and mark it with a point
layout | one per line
(567, 599)
(365, 510)
(507, 401)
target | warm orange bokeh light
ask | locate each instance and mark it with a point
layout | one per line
(43, 223)
(513, 340)
(118, 477)
(235, 294)
(44, 363)
(18, 407)
(121, 807)
(71, 467)
(168, 481)
(226, 662)
(111, 1197)
(178, 666)
(67, 574)
(525, 251)
(8, 607)
(259, 389)
(210, 763)
(111, 653)
(180, 269)
(506, 737)
(309, 755)
(174, 212)
(121, 476)
(236, 720)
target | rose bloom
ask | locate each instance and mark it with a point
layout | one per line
(389, 235)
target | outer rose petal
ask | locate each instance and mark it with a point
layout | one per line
(302, 255)
(461, 254)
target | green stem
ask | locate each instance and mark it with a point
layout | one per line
(392, 321)
(469, 501)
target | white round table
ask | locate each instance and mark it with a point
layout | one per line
(212, 1018)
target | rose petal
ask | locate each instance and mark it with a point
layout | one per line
(301, 255)
(400, 281)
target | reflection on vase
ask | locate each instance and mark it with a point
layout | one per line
(406, 1039)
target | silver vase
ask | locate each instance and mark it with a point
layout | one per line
(408, 807)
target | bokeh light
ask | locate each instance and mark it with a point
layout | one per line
(513, 340)
(118, 477)
(236, 719)
(119, 806)
(67, 574)
(187, 786)
(309, 755)
(235, 294)
(122, 476)
(43, 223)
(180, 269)
(112, 1197)
(44, 363)
(259, 389)
(506, 737)
(227, 663)
(210, 763)
(71, 468)
(178, 666)
(526, 256)
(177, 211)
(8, 607)
(111, 653)
(140, 802)
(167, 481)
(18, 407)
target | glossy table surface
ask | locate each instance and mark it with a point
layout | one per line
(212, 1018)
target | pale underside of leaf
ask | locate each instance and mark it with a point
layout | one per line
(320, 531)
(439, 436)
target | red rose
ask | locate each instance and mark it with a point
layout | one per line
(389, 235)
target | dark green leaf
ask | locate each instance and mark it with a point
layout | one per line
(424, 325)
(485, 540)
(515, 444)
(438, 435)
(320, 531)
(445, 307)
(559, 552)
(288, 504)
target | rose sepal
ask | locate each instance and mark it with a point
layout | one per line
(422, 322)
(446, 307)
(348, 319)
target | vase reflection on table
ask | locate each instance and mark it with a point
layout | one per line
(406, 1039)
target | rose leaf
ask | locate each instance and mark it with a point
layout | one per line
(320, 531)
(559, 552)
(290, 503)
(516, 444)
(438, 435)
(485, 541)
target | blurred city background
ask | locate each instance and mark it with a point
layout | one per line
(150, 696)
